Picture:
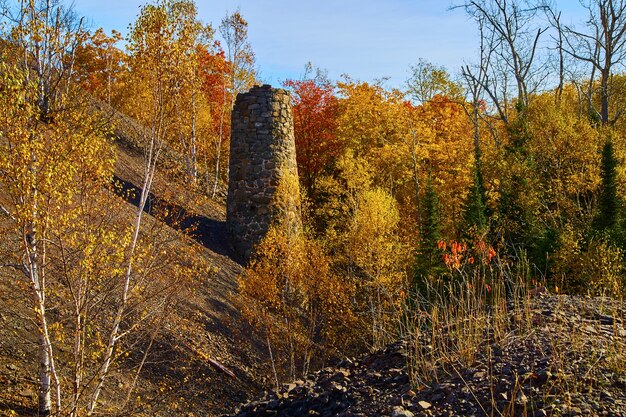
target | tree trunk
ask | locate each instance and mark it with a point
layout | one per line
(151, 159)
(78, 357)
(45, 403)
(46, 360)
(604, 97)
(192, 145)
(417, 189)
(220, 140)
(113, 336)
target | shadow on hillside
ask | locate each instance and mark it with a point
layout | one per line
(210, 233)
(11, 408)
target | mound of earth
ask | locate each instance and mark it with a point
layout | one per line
(566, 359)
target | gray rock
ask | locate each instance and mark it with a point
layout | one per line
(401, 412)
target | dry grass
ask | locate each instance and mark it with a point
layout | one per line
(458, 313)
(478, 316)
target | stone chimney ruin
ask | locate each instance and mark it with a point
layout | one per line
(262, 154)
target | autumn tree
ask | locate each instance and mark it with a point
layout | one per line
(40, 39)
(367, 140)
(74, 247)
(213, 121)
(99, 64)
(301, 307)
(446, 155)
(370, 128)
(366, 119)
(427, 83)
(291, 294)
(191, 38)
(315, 112)
(184, 44)
(239, 54)
(71, 245)
(26, 176)
(414, 140)
(565, 152)
(428, 80)
(373, 247)
(71, 248)
(43, 37)
(153, 60)
(234, 31)
(399, 142)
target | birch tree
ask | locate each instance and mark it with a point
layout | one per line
(234, 30)
(45, 171)
(37, 69)
(152, 60)
(45, 35)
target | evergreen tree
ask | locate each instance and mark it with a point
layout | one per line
(429, 254)
(515, 220)
(606, 220)
(474, 212)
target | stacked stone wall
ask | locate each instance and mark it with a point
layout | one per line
(262, 153)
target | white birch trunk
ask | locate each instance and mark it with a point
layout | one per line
(151, 157)
(220, 140)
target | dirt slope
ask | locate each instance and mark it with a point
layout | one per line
(202, 335)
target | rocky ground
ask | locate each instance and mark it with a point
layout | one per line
(565, 357)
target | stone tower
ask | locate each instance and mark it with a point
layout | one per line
(262, 154)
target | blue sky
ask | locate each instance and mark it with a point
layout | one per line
(367, 39)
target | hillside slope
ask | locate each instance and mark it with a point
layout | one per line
(203, 362)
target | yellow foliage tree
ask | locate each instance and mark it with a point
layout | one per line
(378, 261)
(74, 243)
(290, 293)
(40, 165)
(565, 149)
(303, 309)
(437, 138)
